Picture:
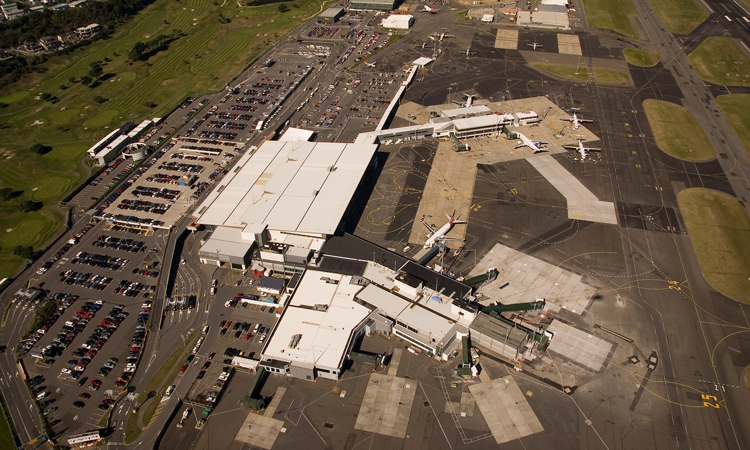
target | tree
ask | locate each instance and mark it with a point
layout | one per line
(45, 96)
(283, 8)
(86, 80)
(40, 149)
(99, 99)
(149, 104)
(24, 252)
(29, 205)
(6, 194)
(96, 70)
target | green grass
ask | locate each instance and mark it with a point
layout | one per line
(210, 55)
(719, 229)
(564, 71)
(680, 16)
(640, 57)
(670, 124)
(612, 15)
(610, 76)
(7, 440)
(105, 419)
(155, 384)
(736, 109)
(720, 60)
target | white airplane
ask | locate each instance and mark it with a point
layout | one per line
(372, 64)
(583, 151)
(440, 36)
(469, 52)
(430, 9)
(469, 101)
(439, 236)
(576, 121)
(525, 141)
(535, 45)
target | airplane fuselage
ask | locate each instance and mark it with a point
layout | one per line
(438, 234)
(529, 143)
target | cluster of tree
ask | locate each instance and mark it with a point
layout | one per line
(30, 205)
(142, 51)
(24, 252)
(40, 149)
(31, 27)
(25, 206)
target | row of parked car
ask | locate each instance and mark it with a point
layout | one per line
(87, 280)
(97, 260)
(139, 337)
(95, 342)
(63, 301)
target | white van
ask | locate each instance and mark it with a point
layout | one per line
(169, 391)
(41, 395)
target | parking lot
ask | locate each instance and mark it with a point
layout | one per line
(87, 356)
(168, 184)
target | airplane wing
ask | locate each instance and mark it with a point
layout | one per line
(446, 238)
(592, 149)
(566, 119)
(429, 228)
(520, 145)
(586, 120)
(570, 147)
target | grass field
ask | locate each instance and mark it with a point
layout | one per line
(612, 15)
(564, 71)
(676, 131)
(204, 60)
(640, 57)
(720, 60)
(719, 229)
(156, 384)
(680, 16)
(6, 434)
(610, 76)
(736, 109)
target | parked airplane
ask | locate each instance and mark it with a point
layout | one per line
(372, 64)
(535, 45)
(440, 36)
(575, 120)
(469, 101)
(469, 52)
(430, 9)
(439, 236)
(583, 151)
(524, 141)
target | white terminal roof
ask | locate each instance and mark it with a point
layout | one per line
(470, 111)
(480, 121)
(301, 187)
(325, 334)
(296, 134)
(227, 241)
(422, 61)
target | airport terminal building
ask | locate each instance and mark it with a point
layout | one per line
(281, 202)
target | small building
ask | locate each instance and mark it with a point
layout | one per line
(88, 31)
(331, 15)
(555, 2)
(271, 285)
(69, 37)
(373, 5)
(398, 21)
(50, 43)
(32, 47)
(11, 11)
(488, 18)
(544, 19)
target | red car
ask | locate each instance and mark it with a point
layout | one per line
(184, 368)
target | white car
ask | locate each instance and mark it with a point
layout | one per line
(65, 370)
